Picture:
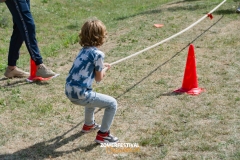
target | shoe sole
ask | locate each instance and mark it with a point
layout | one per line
(85, 131)
(16, 73)
(16, 76)
(42, 79)
(56, 75)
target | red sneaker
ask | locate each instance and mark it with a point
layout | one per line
(87, 129)
(105, 137)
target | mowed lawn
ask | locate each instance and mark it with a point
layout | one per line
(38, 122)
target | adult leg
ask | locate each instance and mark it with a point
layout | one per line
(22, 18)
(13, 55)
(15, 45)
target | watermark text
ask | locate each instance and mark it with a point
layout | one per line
(117, 148)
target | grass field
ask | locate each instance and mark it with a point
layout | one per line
(38, 122)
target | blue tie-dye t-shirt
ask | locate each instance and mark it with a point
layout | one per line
(81, 76)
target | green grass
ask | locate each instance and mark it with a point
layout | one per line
(37, 121)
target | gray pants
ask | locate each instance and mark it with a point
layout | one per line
(101, 101)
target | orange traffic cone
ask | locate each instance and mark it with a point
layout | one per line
(190, 82)
(33, 70)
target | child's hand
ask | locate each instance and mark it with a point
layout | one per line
(107, 66)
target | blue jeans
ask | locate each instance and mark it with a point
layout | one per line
(101, 101)
(23, 30)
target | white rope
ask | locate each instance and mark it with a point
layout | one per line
(173, 36)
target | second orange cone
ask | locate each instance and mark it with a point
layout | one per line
(190, 81)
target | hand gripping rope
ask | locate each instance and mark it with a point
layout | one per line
(173, 36)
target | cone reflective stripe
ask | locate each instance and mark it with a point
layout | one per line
(190, 81)
(33, 71)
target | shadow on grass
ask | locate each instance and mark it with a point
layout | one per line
(183, 1)
(73, 27)
(13, 82)
(190, 8)
(225, 11)
(155, 11)
(169, 94)
(173, 9)
(137, 14)
(194, 7)
(47, 149)
(151, 72)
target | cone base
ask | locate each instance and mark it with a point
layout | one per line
(35, 78)
(31, 79)
(193, 91)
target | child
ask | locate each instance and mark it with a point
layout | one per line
(89, 65)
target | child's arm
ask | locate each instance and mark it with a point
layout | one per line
(100, 74)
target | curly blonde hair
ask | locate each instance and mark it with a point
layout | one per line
(93, 33)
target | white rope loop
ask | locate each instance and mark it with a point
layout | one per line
(173, 36)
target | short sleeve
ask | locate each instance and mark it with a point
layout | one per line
(99, 63)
